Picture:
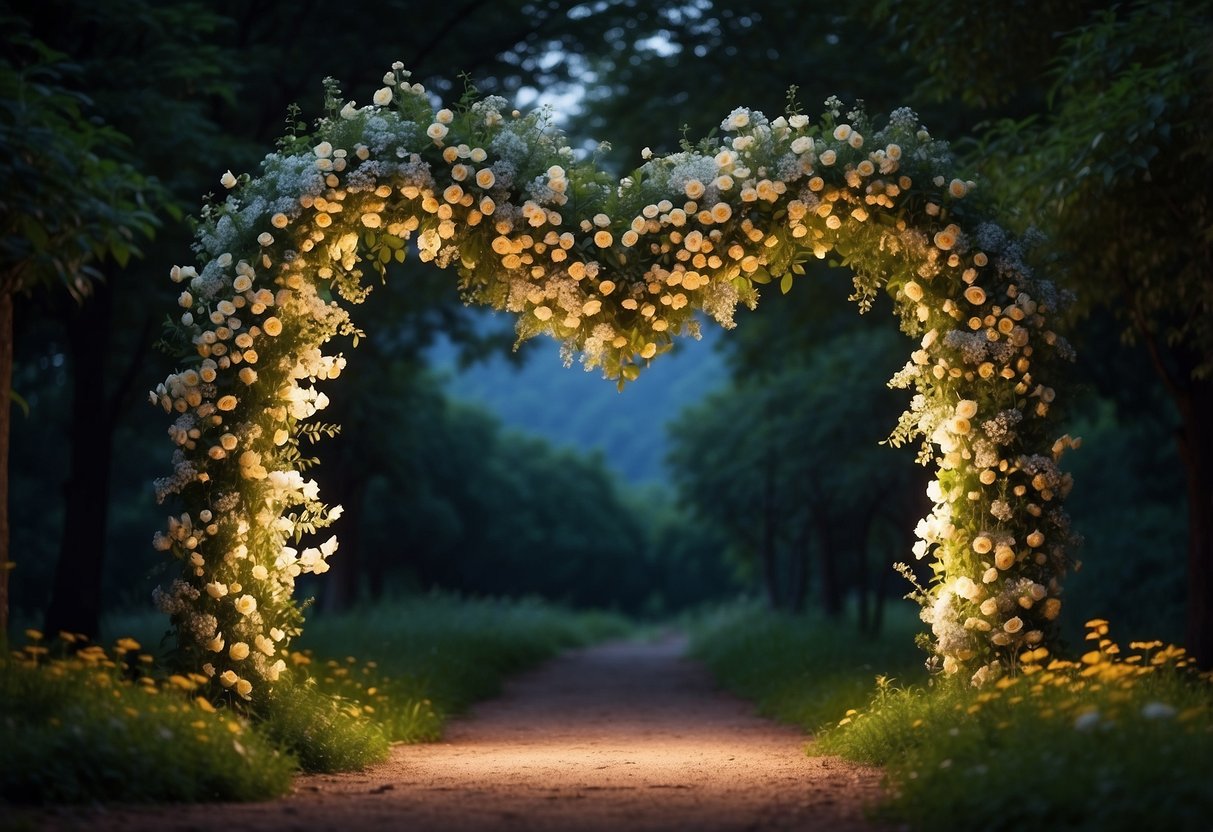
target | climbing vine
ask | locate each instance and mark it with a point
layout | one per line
(614, 271)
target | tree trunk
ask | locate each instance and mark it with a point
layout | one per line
(861, 584)
(1196, 450)
(878, 597)
(798, 570)
(6, 403)
(76, 596)
(770, 570)
(831, 592)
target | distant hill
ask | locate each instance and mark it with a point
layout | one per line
(571, 407)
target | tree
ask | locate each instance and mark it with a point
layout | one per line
(785, 461)
(66, 204)
(1119, 171)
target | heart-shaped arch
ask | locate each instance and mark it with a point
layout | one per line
(615, 271)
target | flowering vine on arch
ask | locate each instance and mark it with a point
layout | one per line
(614, 271)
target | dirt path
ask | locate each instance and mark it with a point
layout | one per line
(617, 737)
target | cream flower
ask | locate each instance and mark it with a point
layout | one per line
(382, 97)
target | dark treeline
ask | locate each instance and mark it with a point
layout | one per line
(780, 485)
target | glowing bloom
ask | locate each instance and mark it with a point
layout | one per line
(737, 119)
(946, 239)
(272, 326)
(246, 604)
(382, 97)
(228, 180)
(238, 651)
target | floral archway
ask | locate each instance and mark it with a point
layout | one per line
(614, 270)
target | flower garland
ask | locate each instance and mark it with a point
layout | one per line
(614, 270)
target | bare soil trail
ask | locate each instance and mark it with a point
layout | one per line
(623, 736)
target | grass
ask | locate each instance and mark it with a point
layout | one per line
(112, 725)
(1109, 740)
(804, 669)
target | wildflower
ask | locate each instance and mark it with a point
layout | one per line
(1157, 710)
(1087, 720)
(228, 180)
(246, 604)
(382, 97)
(238, 651)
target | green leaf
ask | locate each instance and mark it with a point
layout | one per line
(20, 402)
(785, 283)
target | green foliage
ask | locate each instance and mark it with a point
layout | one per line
(1114, 742)
(421, 659)
(793, 441)
(1101, 745)
(1118, 170)
(83, 730)
(801, 669)
(66, 197)
(324, 731)
(97, 726)
(982, 53)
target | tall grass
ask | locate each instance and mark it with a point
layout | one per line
(803, 669)
(1114, 739)
(115, 725)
